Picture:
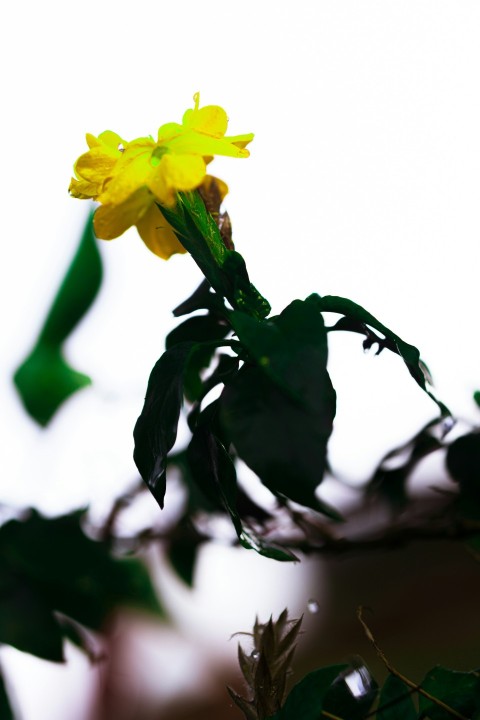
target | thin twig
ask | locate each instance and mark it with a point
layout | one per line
(394, 671)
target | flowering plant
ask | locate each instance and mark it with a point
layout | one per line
(274, 411)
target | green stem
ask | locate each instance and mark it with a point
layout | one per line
(224, 269)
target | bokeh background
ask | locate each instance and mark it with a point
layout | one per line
(363, 181)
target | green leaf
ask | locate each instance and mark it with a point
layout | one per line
(45, 380)
(50, 565)
(396, 701)
(203, 298)
(476, 397)
(213, 471)
(279, 413)
(458, 690)
(155, 431)
(305, 700)
(358, 318)
(198, 329)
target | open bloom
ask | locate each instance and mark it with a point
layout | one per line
(131, 179)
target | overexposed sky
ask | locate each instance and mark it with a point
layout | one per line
(363, 181)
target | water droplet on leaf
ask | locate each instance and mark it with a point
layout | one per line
(313, 606)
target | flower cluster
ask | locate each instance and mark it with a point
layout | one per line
(132, 180)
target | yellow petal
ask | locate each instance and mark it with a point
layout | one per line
(112, 220)
(111, 139)
(158, 235)
(130, 175)
(83, 189)
(176, 173)
(195, 143)
(168, 131)
(96, 164)
(211, 120)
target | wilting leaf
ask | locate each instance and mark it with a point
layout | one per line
(45, 380)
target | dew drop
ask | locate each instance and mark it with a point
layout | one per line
(313, 606)
(255, 655)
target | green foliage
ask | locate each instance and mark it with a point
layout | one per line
(279, 412)
(357, 319)
(396, 701)
(459, 691)
(306, 698)
(45, 380)
(49, 566)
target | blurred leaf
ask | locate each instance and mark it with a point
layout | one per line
(27, 621)
(183, 548)
(463, 464)
(459, 690)
(279, 414)
(396, 701)
(476, 397)
(357, 320)
(6, 712)
(390, 483)
(352, 693)
(45, 380)
(49, 565)
(305, 700)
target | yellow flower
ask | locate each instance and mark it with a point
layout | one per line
(130, 179)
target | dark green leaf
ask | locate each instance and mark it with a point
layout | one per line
(279, 413)
(45, 380)
(358, 318)
(279, 439)
(156, 429)
(201, 299)
(476, 397)
(458, 690)
(198, 329)
(213, 471)
(305, 700)
(396, 701)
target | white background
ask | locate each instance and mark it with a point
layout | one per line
(363, 181)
